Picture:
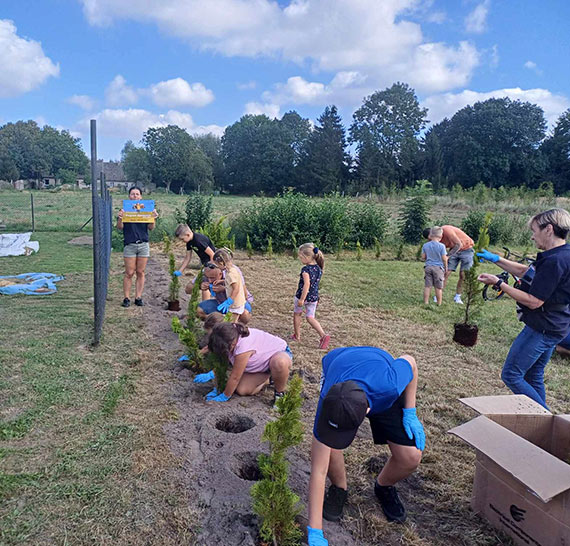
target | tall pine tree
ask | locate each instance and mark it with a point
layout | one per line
(324, 164)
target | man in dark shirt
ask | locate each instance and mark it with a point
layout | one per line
(543, 300)
(197, 242)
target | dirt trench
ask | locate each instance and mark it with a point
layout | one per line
(216, 443)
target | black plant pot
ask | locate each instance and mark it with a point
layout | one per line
(465, 334)
(174, 305)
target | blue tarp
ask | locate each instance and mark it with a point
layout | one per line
(36, 284)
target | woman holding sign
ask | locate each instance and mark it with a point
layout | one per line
(136, 250)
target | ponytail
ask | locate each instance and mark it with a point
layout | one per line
(309, 250)
(224, 335)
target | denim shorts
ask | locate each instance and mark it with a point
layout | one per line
(463, 256)
(310, 308)
(136, 250)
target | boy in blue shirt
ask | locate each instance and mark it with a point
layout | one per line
(360, 382)
(435, 258)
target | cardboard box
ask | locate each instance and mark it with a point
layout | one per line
(522, 475)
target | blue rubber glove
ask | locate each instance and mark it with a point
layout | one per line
(177, 273)
(485, 255)
(414, 429)
(212, 394)
(316, 537)
(204, 377)
(220, 398)
(225, 305)
(183, 358)
(211, 287)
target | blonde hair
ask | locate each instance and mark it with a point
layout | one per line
(559, 219)
(223, 256)
(436, 231)
(309, 250)
(181, 229)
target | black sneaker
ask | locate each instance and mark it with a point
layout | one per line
(390, 501)
(126, 303)
(334, 503)
(139, 302)
(277, 396)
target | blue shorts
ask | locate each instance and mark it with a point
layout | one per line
(211, 306)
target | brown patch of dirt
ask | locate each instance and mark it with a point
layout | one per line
(436, 496)
(82, 240)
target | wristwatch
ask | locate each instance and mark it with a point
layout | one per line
(497, 285)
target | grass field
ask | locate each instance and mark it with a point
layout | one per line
(83, 456)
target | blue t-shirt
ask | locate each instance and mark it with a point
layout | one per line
(134, 231)
(551, 284)
(434, 252)
(315, 273)
(382, 377)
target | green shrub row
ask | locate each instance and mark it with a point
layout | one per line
(294, 218)
(503, 229)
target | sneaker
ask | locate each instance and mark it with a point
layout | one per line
(277, 396)
(334, 503)
(139, 302)
(324, 343)
(457, 299)
(293, 337)
(390, 501)
(126, 303)
(434, 299)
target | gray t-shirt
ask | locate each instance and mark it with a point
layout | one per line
(434, 252)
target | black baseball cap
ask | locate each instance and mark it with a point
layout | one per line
(343, 410)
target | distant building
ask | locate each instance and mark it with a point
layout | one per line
(114, 175)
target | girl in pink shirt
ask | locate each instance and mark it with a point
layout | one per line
(255, 355)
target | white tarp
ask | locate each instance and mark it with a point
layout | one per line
(17, 244)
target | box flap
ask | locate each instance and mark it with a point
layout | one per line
(507, 404)
(537, 469)
(561, 437)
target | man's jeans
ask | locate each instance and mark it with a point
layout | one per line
(523, 371)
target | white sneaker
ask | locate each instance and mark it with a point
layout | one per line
(434, 299)
(457, 299)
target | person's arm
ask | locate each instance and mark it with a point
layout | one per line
(120, 220)
(152, 225)
(424, 257)
(512, 267)
(235, 290)
(528, 300)
(186, 261)
(210, 253)
(412, 387)
(320, 457)
(306, 286)
(444, 259)
(238, 368)
(455, 244)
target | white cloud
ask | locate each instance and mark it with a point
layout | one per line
(447, 104)
(531, 65)
(167, 94)
(23, 64)
(367, 36)
(257, 108)
(178, 92)
(476, 21)
(437, 17)
(84, 102)
(131, 123)
(247, 85)
(494, 56)
(118, 93)
(346, 87)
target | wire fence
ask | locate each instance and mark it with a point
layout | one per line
(103, 210)
(44, 210)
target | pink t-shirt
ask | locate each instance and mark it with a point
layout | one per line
(265, 346)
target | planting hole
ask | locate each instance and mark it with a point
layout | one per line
(235, 424)
(245, 466)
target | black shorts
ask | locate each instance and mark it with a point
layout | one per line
(387, 426)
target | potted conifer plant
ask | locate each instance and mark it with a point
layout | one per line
(466, 332)
(174, 286)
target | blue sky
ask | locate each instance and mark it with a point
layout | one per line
(202, 64)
